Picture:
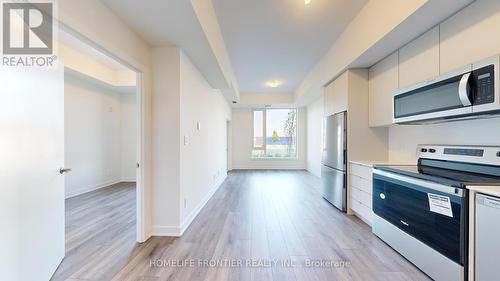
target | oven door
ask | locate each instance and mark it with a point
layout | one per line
(446, 96)
(432, 213)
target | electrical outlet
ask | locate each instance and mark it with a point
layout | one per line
(185, 203)
(186, 141)
(198, 126)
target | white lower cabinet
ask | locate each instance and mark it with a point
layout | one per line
(360, 189)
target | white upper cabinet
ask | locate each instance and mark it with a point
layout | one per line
(336, 95)
(466, 37)
(419, 59)
(383, 82)
(470, 35)
(415, 62)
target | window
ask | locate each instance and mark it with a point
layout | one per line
(274, 133)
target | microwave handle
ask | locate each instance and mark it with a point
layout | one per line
(464, 90)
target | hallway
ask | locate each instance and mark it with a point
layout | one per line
(260, 225)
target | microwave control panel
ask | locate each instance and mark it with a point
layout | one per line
(484, 84)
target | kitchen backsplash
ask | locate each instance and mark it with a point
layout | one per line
(403, 139)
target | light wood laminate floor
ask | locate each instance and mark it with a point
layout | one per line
(274, 223)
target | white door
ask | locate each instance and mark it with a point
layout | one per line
(31, 153)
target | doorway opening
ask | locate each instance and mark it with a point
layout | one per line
(103, 150)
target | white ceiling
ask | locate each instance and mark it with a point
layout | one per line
(280, 39)
(266, 39)
(171, 23)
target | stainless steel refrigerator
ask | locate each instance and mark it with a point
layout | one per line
(333, 160)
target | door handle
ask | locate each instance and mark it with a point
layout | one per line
(464, 89)
(64, 170)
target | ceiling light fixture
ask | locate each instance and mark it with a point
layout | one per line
(274, 83)
(307, 2)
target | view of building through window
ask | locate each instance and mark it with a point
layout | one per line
(275, 133)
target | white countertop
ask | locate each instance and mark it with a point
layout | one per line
(490, 190)
(371, 163)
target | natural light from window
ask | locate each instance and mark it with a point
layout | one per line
(274, 133)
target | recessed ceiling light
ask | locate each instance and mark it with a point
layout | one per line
(307, 2)
(274, 83)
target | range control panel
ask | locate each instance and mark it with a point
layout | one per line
(489, 155)
(464, 151)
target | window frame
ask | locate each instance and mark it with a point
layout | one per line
(263, 147)
(264, 127)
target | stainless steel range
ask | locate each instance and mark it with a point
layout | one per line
(422, 211)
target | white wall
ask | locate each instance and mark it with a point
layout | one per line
(403, 140)
(314, 135)
(185, 174)
(205, 153)
(481, 16)
(128, 136)
(93, 136)
(254, 99)
(167, 140)
(90, 66)
(242, 123)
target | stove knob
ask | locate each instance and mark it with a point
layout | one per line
(432, 150)
(423, 150)
(498, 154)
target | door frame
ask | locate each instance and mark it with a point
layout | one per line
(229, 147)
(141, 233)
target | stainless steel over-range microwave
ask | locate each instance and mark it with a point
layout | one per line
(466, 93)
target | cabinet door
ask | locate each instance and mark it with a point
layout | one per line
(336, 95)
(470, 35)
(382, 83)
(419, 59)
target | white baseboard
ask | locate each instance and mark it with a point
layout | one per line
(81, 191)
(175, 231)
(166, 231)
(128, 180)
(189, 219)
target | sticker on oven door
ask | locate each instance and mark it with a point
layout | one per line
(440, 204)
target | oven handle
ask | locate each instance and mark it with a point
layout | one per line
(431, 185)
